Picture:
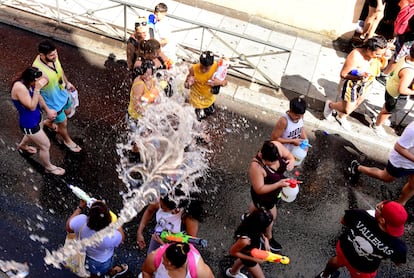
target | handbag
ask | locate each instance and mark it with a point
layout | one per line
(75, 263)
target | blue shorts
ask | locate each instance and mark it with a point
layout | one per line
(61, 115)
(98, 268)
(397, 172)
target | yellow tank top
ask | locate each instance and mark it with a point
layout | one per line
(149, 96)
(200, 94)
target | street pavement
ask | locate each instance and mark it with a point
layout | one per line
(34, 203)
(311, 69)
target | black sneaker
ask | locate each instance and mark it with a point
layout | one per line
(275, 246)
(333, 275)
(354, 170)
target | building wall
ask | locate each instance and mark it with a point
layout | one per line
(335, 18)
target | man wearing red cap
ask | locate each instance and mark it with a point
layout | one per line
(368, 240)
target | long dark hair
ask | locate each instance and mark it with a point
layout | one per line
(27, 76)
(176, 253)
(98, 217)
(254, 224)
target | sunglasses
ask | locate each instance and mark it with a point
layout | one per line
(138, 24)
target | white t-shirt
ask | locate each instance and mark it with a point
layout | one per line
(105, 250)
(293, 131)
(162, 30)
(406, 141)
(166, 221)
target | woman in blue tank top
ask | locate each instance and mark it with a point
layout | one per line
(266, 174)
(25, 94)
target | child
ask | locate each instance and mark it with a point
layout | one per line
(248, 236)
(289, 128)
(170, 216)
(199, 81)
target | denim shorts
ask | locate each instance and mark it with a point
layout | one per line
(99, 268)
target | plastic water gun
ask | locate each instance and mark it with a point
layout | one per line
(88, 199)
(269, 256)
(182, 237)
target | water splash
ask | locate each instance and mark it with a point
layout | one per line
(169, 157)
(14, 269)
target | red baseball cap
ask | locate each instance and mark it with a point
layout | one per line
(395, 217)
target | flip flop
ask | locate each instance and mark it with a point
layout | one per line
(57, 171)
(118, 270)
(28, 151)
(75, 148)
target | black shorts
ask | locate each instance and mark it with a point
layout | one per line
(30, 131)
(390, 102)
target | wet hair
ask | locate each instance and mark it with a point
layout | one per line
(374, 43)
(161, 8)
(145, 65)
(168, 202)
(176, 253)
(98, 216)
(298, 105)
(255, 223)
(28, 76)
(269, 151)
(207, 58)
(46, 46)
(150, 46)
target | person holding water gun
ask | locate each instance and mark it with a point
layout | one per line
(248, 236)
(170, 216)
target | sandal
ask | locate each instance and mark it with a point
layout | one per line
(57, 171)
(27, 151)
(118, 270)
(74, 148)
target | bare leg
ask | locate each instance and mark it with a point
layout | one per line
(24, 145)
(407, 192)
(269, 228)
(63, 131)
(331, 267)
(376, 173)
(236, 266)
(382, 116)
(256, 271)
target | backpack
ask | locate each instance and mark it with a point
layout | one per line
(403, 17)
(191, 258)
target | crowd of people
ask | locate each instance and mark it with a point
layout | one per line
(44, 87)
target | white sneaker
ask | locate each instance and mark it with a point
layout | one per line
(379, 130)
(237, 275)
(327, 111)
(345, 124)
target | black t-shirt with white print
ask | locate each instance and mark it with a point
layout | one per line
(364, 244)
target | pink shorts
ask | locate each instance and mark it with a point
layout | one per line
(344, 262)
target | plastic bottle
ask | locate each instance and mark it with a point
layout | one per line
(290, 192)
(300, 152)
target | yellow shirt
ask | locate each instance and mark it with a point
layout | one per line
(149, 96)
(200, 92)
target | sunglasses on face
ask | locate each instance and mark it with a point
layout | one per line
(138, 24)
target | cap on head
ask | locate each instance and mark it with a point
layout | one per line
(395, 217)
(207, 58)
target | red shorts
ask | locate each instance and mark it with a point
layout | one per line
(344, 262)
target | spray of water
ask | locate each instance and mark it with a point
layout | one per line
(169, 156)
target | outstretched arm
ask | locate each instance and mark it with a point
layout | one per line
(146, 217)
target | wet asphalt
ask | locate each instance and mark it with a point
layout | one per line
(34, 203)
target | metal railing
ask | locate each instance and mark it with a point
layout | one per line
(111, 18)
